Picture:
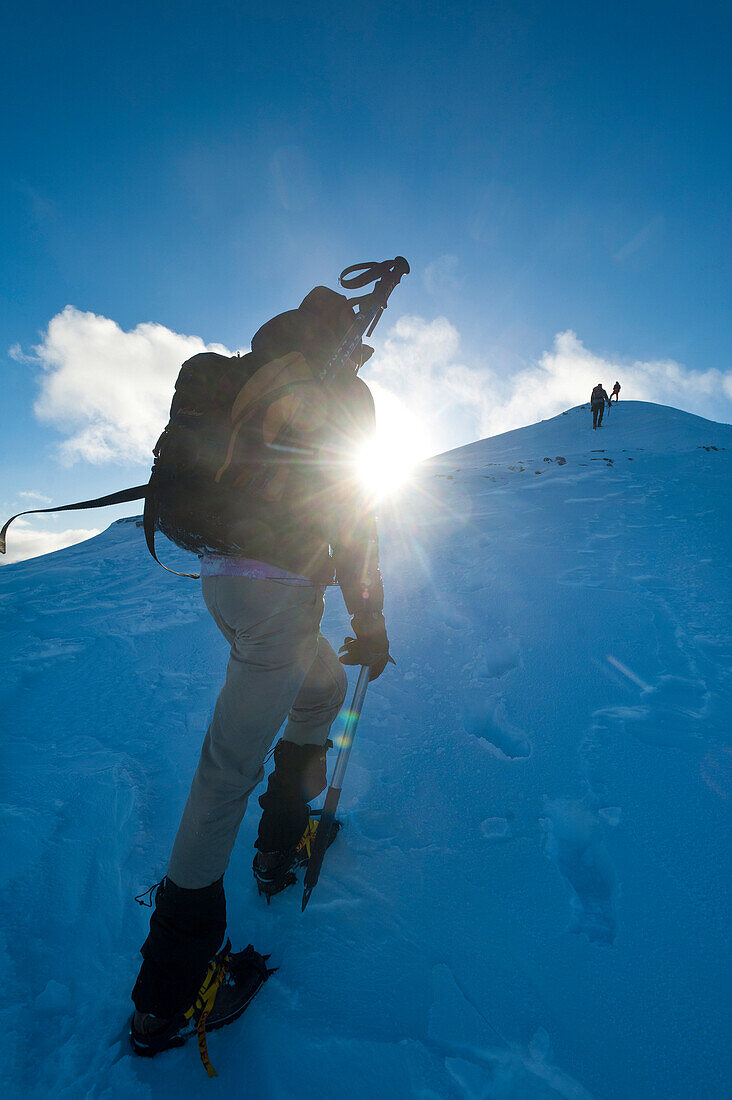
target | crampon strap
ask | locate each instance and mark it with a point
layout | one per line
(308, 836)
(215, 977)
(204, 1002)
(201, 1029)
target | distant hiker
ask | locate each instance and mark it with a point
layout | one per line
(615, 392)
(265, 562)
(597, 401)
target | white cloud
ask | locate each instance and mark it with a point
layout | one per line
(26, 542)
(570, 364)
(31, 494)
(16, 352)
(457, 403)
(415, 366)
(109, 390)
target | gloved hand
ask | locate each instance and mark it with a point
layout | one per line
(370, 646)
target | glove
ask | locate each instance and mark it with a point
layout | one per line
(370, 646)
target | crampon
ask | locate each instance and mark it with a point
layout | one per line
(231, 981)
(275, 871)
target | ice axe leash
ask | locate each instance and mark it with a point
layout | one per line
(327, 817)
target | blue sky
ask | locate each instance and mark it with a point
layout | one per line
(547, 169)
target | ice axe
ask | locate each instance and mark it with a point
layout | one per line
(327, 817)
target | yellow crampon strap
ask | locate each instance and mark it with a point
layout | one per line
(205, 1002)
(308, 836)
(203, 1046)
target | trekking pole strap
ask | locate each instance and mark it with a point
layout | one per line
(371, 271)
(370, 306)
(138, 492)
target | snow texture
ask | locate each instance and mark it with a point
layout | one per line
(529, 898)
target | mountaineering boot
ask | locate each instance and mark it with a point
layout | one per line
(298, 777)
(274, 871)
(287, 827)
(230, 983)
(187, 929)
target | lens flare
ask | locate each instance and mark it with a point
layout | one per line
(386, 463)
(343, 719)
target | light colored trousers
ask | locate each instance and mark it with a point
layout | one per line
(281, 667)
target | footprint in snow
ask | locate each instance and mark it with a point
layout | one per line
(494, 660)
(379, 830)
(486, 719)
(674, 714)
(479, 1057)
(574, 841)
(500, 658)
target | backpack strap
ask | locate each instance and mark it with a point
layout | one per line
(149, 522)
(136, 493)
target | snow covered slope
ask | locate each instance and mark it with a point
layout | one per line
(627, 425)
(529, 898)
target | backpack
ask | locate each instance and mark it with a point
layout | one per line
(240, 455)
(245, 433)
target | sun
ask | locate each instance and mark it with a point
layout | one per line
(387, 462)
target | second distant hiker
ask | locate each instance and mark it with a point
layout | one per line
(615, 392)
(597, 401)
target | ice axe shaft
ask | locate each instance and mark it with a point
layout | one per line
(327, 817)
